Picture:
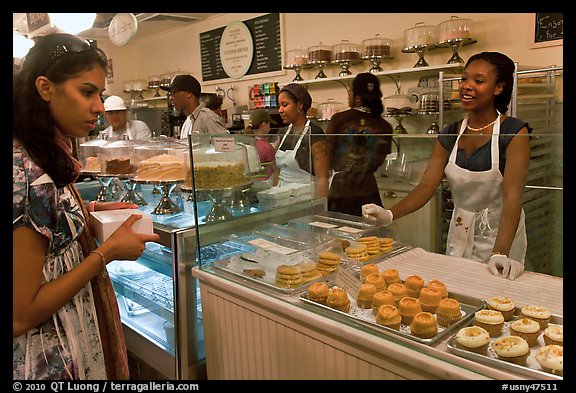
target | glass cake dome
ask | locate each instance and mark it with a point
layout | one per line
(88, 154)
(219, 166)
(116, 157)
(161, 159)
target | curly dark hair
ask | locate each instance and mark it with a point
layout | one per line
(59, 57)
(367, 86)
(505, 68)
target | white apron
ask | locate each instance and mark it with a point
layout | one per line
(478, 198)
(290, 171)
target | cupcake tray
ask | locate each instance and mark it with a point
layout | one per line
(469, 305)
(531, 369)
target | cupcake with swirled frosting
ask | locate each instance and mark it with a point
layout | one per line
(473, 338)
(513, 349)
(551, 359)
(538, 313)
(554, 335)
(503, 304)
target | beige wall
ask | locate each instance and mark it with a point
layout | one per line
(179, 49)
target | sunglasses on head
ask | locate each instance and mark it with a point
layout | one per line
(75, 45)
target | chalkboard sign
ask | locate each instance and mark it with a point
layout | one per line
(548, 27)
(265, 31)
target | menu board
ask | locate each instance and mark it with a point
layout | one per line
(548, 27)
(267, 55)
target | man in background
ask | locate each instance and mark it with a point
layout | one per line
(185, 93)
(118, 123)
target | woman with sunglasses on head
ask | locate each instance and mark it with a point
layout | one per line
(485, 159)
(65, 320)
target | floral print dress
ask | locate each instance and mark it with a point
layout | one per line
(67, 345)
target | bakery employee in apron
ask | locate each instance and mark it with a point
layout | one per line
(485, 159)
(301, 141)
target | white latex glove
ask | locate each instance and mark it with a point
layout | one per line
(500, 265)
(373, 212)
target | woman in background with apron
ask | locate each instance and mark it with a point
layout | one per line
(302, 151)
(485, 159)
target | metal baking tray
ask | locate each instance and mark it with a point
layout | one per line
(531, 369)
(468, 304)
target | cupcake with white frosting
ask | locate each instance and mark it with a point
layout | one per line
(538, 313)
(554, 335)
(473, 338)
(513, 349)
(551, 359)
(526, 328)
(503, 304)
(490, 320)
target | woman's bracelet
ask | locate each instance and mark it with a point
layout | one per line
(499, 253)
(101, 257)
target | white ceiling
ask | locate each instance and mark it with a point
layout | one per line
(148, 23)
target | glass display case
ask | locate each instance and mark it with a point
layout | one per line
(162, 304)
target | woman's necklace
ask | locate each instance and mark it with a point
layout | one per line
(483, 128)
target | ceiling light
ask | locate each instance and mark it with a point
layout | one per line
(20, 45)
(73, 23)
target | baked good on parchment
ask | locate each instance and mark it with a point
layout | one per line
(503, 304)
(448, 312)
(398, 291)
(372, 244)
(408, 308)
(386, 244)
(551, 359)
(526, 328)
(389, 316)
(473, 338)
(366, 293)
(377, 280)
(288, 276)
(538, 313)
(424, 325)
(512, 349)
(328, 262)
(367, 269)
(357, 252)
(318, 292)
(439, 285)
(554, 334)
(381, 298)
(491, 320)
(414, 285)
(391, 276)
(429, 299)
(309, 271)
(338, 299)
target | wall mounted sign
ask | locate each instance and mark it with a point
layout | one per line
(122, 28)
(236, 49)
(547, 30)
(267, 57)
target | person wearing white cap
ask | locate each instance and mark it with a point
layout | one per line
(119, 125)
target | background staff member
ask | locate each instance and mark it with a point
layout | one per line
(185, 93)
(294, 149)
(485, 158)
(358, 147)
(119, 125)
(260, 122)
